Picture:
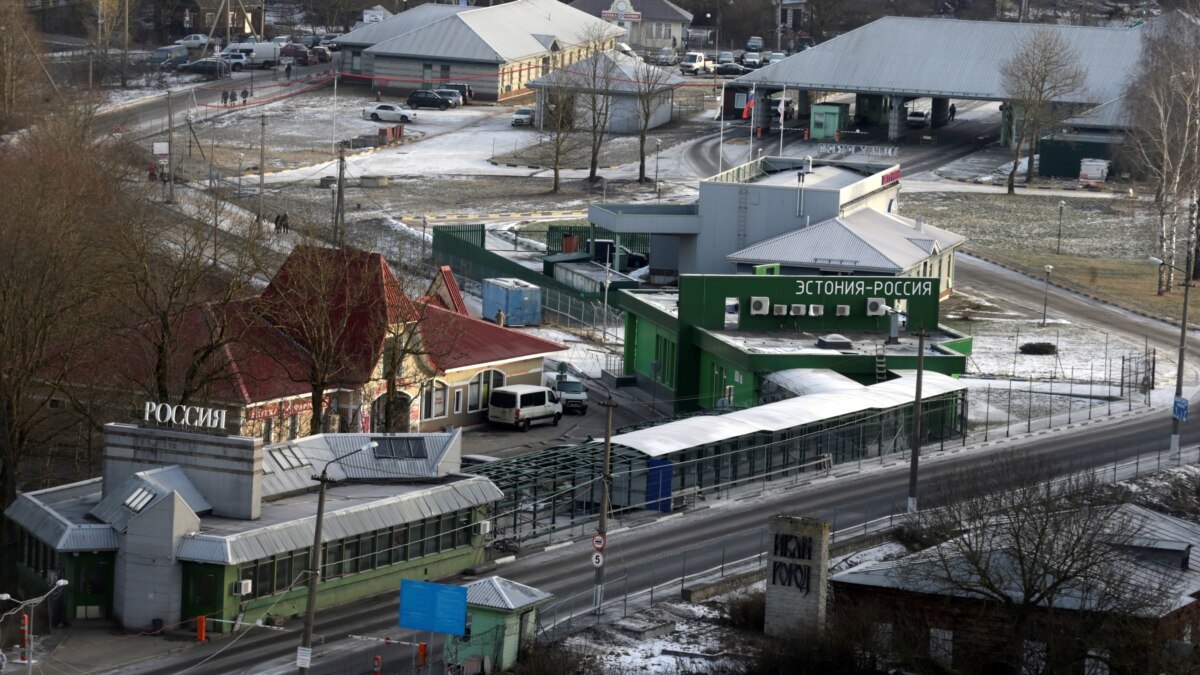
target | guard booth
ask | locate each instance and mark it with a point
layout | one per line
(501, 621)
(827, 119)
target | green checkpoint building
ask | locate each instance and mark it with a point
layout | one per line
(183, 524)
(724, 340)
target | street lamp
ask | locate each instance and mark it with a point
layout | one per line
(1187, 285)
(241, 156)
(657, 152)
(31, 604)
(314, 558)
(1058, 248)
(1046, 294)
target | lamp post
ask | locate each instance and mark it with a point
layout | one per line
(1058, 247)
(32, 605)
(607, 280)
(657, 152)
(1046, 293)
(1187, 285)
(241, 157)
(314, 557)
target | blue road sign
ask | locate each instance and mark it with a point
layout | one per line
(1181, 408)
(438, 608)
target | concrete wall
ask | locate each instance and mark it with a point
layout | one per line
(227, 470)
(797, 572)
(147, 580)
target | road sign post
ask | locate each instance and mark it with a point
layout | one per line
(597, 559)
(1180, 411)
(598, 542)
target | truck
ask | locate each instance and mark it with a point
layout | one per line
(696, 63)
(258, 54)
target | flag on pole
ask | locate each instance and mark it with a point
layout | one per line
(749, 105)
(781, 107)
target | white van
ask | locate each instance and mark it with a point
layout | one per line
(571, 392)
(520, 405)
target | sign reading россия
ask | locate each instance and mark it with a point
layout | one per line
(867, 287)
(184, 415)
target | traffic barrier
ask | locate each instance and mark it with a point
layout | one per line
(201, 628)
(422, 654)
(378, 665)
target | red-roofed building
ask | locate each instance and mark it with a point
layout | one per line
(335, 316)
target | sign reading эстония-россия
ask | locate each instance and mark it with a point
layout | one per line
(867, 287)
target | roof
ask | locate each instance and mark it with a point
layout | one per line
(445, 293)
(944, 57)
(474, 342)
(59, 517)
(1108, 115)
(863, 240)
(398, 24)
(671, 437)
(496, 34)
(501, 593)
(651, 10)
(1150, 530)
(122, 504)
(610, 72)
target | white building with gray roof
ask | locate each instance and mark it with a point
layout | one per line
(498, 49)
(184, 524)
(625, 88)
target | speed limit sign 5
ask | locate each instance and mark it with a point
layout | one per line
(597, 559)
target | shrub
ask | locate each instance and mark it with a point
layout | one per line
(1039, 348)
(746, 611)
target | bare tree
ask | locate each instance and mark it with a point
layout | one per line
(1040, 80)
(1042, 557)
(1163, 103)
(653, 88)
(19, 70)
(594, 75)
(558, 121)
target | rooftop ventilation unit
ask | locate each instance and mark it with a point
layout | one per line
(816, 310)
(876, 307)
(843, 310)
(760, 306)
(799, 310)
(781, 310)
(834, 341)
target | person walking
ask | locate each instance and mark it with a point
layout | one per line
(283, 222)
(287, 72)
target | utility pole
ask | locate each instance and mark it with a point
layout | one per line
(125, 56)
(916, 436)
(262, 163)
(605, 488)
(339, 211)
(170, 151)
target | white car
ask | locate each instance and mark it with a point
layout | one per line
(523, 117)
(195, 40)
(389, 112)
(236, 60)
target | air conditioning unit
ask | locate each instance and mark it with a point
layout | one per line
(483, 527)
(799, 310)
(816, 310)
(876, 307)
(843, 310)
(760, 306)
(781, 310)
(243, 587)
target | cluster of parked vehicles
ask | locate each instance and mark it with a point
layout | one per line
(522, 405)
(198, 53)
(448, 95)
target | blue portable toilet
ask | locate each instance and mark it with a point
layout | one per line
(520, 301)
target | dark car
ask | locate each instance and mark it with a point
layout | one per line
(730, 69)
(298, 53)
(310, 41)
(212, 67)
(175, 62)
(424, 98)
(463, 88)
(322, 54)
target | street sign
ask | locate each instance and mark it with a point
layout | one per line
(598, 542)
(303, 657)
(597, 559)
(1181, 408)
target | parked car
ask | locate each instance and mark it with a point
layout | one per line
(194, 41)
(918, 119)
(805, 42)
(212, 67)
(520, 405)
(309, 41)
(298, 53)
(754, 44)
(666, 57)
(774, 57)
(523, 117)
(321, 54)
(167, 53)
(389, 112)
(752, 60)
(327, 41)
(176, 62)
(281, 40)
(725, 57)
(789, 109)
(426, 98)
(236, 60)
(467, 92)
(730, 69)
(696, 63)
(451, 95)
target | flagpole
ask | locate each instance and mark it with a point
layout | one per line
(782, 110)
(721, 143)
(752, 103)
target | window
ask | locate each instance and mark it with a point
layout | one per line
(426, 73)
(138, 500)
(445, 70)
(383, 548)
(447, 535)
(457, 401)
(288, 458)
(1096, 663)
(433, 400)
(350, 555)
(941, 646)
(462, 531)
(416, 533)
(533, 399)
(400, 448)
(268, 427)
(1033, 657)
(332, 569)
(283, 572)
(293, 426)
(399, 543)
(480, 389)
(431, 537)
(266, 573)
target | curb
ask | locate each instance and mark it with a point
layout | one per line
(548, 168)
(492, 216)
(1064, 188)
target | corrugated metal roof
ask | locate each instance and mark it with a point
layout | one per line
(57, 517)
(1108, 115)
(405, 22)
(771, 417)
(944, 57)
(864, 240)
(161, 482)
(651, 10)
(610, 72)
(287, 525)
(496, 34)
(501, 593)
(808, 381)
